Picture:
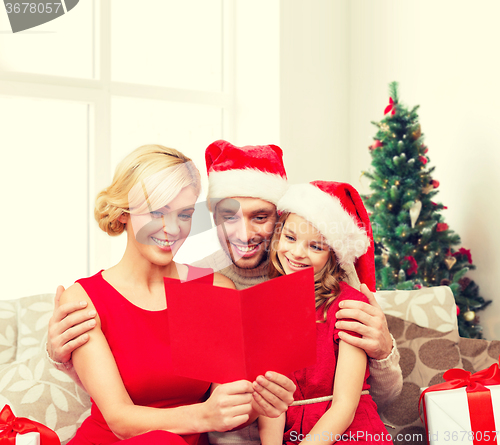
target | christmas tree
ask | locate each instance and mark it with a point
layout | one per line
(414, 247)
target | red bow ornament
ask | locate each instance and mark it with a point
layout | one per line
(11, 426)
(391, 107)
(481, 416)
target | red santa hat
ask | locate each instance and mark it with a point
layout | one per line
(337, 211)
(251, 171)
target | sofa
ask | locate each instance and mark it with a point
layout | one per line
(423, 322)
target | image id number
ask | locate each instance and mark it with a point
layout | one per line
(32, 8)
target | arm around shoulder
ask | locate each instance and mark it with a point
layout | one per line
(386, 377)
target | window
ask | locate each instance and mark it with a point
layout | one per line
(80, 92)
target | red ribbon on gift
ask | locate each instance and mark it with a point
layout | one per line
(11, 425)
(478, 398)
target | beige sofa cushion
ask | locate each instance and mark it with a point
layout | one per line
(31, 385)
(425, 355)
(478, 354)
(8, 332)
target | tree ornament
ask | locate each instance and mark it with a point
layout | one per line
(422, 159)
(464, 282)
(417, 133)
(375, 145)
(435, 183)
(385, 258)
(384, 127)
(391, 107)
(413, 265)
(415, 212)
(450, 262)
(469, 315)
(466, 252)
(441, 227)
(427, 189)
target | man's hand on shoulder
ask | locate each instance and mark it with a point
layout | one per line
(367, 320)
(69, 324)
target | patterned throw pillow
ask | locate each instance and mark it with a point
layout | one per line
(429, 307)
(8, 332)
(35, 389)
(33, 317)
(425, 355)
(31, 385)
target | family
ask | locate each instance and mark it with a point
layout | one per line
(109, 331)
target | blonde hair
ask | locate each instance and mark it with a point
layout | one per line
(145, 180)
(326, 281)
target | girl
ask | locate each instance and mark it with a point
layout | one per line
(125, 366)
(324, 225)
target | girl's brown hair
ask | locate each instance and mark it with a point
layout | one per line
(326, 281)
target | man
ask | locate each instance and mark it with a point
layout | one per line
(244, 187)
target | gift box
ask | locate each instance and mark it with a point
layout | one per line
(22, 431)
(464, 409)
(28, 439)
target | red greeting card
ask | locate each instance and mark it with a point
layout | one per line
(222, 335)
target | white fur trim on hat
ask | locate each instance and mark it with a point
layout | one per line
(251, 183)
(325, 212)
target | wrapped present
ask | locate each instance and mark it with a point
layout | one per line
(28, 439)
(22, 431)
(464, 409)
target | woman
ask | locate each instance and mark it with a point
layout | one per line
(125, 365)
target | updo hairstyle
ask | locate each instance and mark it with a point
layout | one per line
(145, 180)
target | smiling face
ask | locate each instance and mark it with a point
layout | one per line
(159, 234)
(245, 227)
(301, 245)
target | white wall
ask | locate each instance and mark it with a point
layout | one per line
(291, 83)
(314, 81)
(445, 57)
(256, 72)
(337, 58)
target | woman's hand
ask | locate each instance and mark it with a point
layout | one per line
(68, 327)
(229, 406)
(273, 394)
(369, 321)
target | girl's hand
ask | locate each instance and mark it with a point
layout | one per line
(273, 394)
(68, 328)
(229, 406)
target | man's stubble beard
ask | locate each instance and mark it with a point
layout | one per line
(243, 263)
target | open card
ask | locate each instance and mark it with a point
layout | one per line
(222, 335)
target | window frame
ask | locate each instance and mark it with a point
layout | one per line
(97, 93)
